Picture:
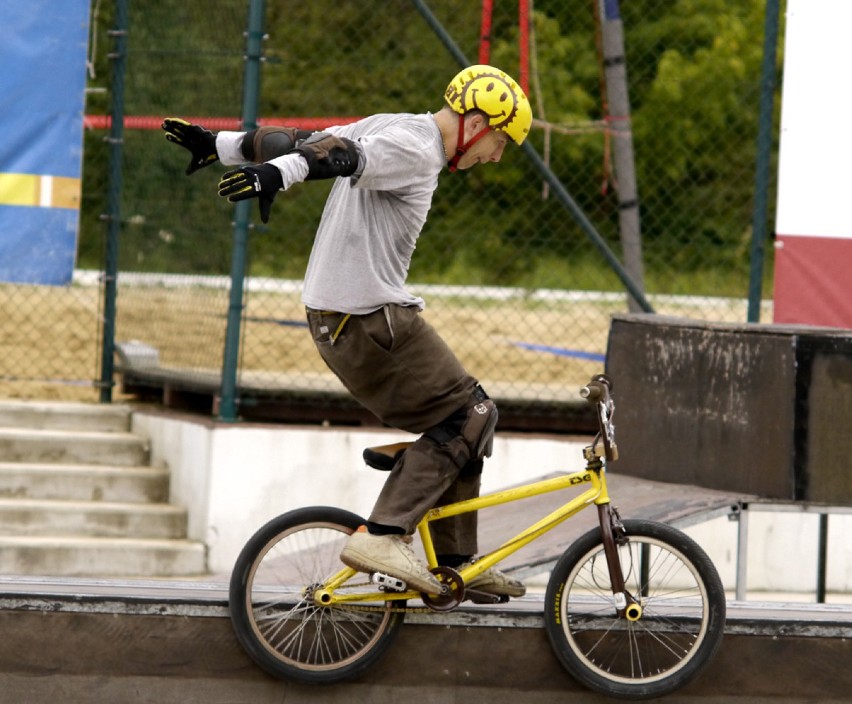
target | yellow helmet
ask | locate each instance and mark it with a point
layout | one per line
(496, 94)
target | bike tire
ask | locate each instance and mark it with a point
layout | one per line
(678, 633)
(277, 622)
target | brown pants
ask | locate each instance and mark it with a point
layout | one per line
(399, 368)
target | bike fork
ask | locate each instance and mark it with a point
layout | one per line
(626, 606)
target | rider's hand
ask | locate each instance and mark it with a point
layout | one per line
(262, 182)
(199, 141)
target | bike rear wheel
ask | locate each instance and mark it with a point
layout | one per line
(682, 612)
(275, 617)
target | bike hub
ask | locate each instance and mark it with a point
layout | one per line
(633, 612)
(322, 597)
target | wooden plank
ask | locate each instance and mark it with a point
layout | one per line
(308, 398)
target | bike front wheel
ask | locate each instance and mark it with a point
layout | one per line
(273, 612)
(663, 644)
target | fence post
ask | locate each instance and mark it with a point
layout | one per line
(615, 71)
(251, 91)
(113, 214)
(764, 147)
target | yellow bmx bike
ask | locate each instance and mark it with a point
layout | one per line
(633, 608)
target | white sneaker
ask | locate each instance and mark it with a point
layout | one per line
(493, 581)
(391, 555)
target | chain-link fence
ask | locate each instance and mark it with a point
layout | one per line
(511, 279)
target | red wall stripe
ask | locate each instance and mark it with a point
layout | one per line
(813, 281)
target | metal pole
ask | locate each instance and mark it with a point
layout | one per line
(615, 70)
(251, 91)
(742, 553)
(587, 227)
(113, 215)
(562, 194)
(764, 147)
(442, 33)
(822, 558)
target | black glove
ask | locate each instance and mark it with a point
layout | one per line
(262, 181)
(200, 142)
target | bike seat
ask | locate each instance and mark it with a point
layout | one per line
(384, 457)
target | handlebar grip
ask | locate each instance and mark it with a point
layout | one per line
(598, 388)
(592, 392)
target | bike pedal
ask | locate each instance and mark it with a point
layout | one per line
(484, 597)
(388, 583)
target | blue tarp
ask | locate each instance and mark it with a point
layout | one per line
(43, 46)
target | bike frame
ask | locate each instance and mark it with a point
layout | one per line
(597, 494)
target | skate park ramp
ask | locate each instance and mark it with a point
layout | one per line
(119, 642)
(105, 641)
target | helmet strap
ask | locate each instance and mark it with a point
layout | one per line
(461, 146)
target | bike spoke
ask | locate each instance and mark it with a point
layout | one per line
(662, 639)
(293, 630)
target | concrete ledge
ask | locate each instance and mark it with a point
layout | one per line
(172, 642)
(753, 408)
(183, 598)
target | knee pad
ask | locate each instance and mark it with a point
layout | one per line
(478, 428)
(468, 433)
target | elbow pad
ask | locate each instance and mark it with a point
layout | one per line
(329, 156)
(267, 143)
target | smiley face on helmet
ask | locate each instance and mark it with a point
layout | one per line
(496, 95)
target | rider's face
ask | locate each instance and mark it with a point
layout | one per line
(489, 148)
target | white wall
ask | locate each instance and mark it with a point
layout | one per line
(235, 477)
(782, 552)
(813, 162)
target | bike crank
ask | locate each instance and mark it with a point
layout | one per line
(452, 590)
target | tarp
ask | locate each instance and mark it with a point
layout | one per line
(43, 47)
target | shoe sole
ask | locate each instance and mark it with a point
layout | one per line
(496, 591)
(513, 595)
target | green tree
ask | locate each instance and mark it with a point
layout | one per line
(695, 126)
(693, 69)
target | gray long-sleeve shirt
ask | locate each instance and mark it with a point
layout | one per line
(371, 222)
(369, 227)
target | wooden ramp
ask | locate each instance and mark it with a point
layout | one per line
(316, 398)
(677, 504)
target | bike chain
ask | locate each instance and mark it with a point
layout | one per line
(382, 609)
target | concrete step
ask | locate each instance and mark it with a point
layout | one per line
(55, 415)
(77, 497)
(73, 447)
(25, 517)
(100, 557)
(81, 482)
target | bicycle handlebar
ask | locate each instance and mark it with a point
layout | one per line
(596, 392)
(598, 388)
